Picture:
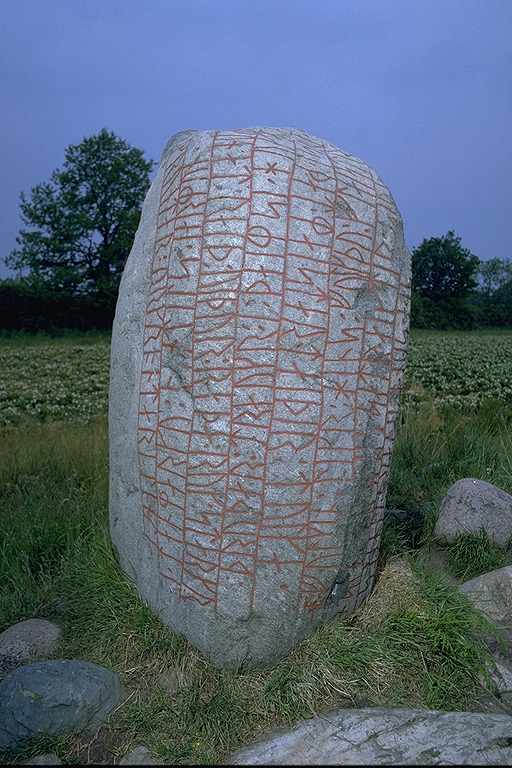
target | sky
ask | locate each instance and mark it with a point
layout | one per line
(419, 89)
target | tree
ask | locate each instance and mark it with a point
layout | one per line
(493, 274)
(442, 269)
(79, 226)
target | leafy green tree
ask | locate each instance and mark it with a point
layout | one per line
(79, 226)
(493, 274)
(443, 269)
(501, 303)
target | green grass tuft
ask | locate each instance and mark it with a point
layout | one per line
(474, 553)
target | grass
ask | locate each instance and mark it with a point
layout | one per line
(473, 553)
(434, 448)
(415, 643)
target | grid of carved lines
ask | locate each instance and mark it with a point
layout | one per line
(253, 289)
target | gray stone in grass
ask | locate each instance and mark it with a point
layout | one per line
(502, 675)
(380, 736)
(55, 697)
(498, 692)
(491, 593)
(169, 682)
(29, 639)
(140, 756)
(258, 349)
(471, 505)
(48, 759)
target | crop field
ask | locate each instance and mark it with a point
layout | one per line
(67, 379)
(460, 368)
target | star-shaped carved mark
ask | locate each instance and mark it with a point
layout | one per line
(271, 168)
(338, 388)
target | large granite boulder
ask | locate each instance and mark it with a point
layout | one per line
(257, 355)
(379, 736)
(469, 506)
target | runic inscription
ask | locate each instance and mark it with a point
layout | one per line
(274, 340)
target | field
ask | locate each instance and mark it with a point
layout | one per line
(67, 379)
(415, 644)
(460, 368)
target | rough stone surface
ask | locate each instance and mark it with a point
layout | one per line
(54, 697)
(26, 640)
(48, 759)
(471, 505)
(491, 593)
(502, 675)
(380, 736)
(257, 356)
(498, 694)
(140, 756)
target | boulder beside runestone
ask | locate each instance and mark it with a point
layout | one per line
(258, 349)
(471, 505)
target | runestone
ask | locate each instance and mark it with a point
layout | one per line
(258, 350)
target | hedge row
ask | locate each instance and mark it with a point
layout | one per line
(26, 308)
(22, 308)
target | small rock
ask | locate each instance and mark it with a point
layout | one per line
(169, 682)
(502, 675)
(470, 505)
(30, 639)
(499, 699)
(140, 756)
(491, 593)
(55, 697)
(49, 759)
(380, 736)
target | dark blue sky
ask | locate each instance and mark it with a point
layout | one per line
(420, 89)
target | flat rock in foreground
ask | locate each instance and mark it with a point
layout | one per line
(140, 756)
(257, 355)
(49, 758)
(380, 736)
